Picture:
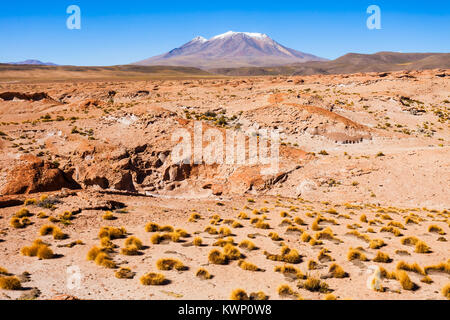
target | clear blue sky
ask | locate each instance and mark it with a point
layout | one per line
(121, 32)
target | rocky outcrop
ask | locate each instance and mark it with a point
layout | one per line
(33, 175)
(38, 96)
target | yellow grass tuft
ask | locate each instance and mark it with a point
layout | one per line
(274, 236)
(239, 294)
(124, 273)
(382, 257)
(290, 270)
(112, 233)
(10, 283)
(104, 260)
(153, 279)
(422, 247)
(152, 227)
(446, 291)
(402, 265)
(203, 274)
(286, 291)
(404, 280)
(248, 266)
(436, 229)
(170, 264)
(217, 257)
(315, 285)
(354, 254)
(247, 244)
(197, 241)
(38, 249)
(337, 271)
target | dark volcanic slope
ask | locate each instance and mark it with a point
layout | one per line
(351, 63)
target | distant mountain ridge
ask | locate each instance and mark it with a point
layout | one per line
(350, 63)
(34, 63)
(231, 49)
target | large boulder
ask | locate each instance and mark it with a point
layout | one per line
(32, 175)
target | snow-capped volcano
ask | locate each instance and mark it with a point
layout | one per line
(231, 49)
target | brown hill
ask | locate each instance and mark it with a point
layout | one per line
(351, 63)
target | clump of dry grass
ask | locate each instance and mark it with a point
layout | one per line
(382, 257)
(402, 265)
(294, 229)
(153, 279)
(112, 233)
(245, 265)
(392, 230)
(286, 291)
(38, 249)
(198, 241)
(441, 267)
(284, 214)
(323, 255)
(42, 215)
(104, 260)
(326, 234)
(363, 218)
(336, 271)
(23, 213)
(422, 247)
(290, 270)
(211, 230)
(231, 252)
(194, 217)
(4, 272)
(446, 291)
(299, 221)
(330, 297)
(258, 296)
(436, 229)
(312, 265)
(247, 244)
(217, 257)
(54, 231)
(10, 283)
(236, 225)
(314, 285)
(152, 227)
(108, 216)
(376, 244)
(305, 237)
(225, 232)
(426, 280)
(131, 250)
(100, 257)
(404, 280)
(243, 216)
(124, 273)
(260, 224)
(239, 294)
(396, 224)
(18, 223)
(287, 255)
(274, 236)
(223, 242)
(170, 264)
(354, 254)
(408, 241)
(203, 274)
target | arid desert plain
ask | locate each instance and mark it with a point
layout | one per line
(92, 207)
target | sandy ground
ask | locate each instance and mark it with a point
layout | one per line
(399, 167)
